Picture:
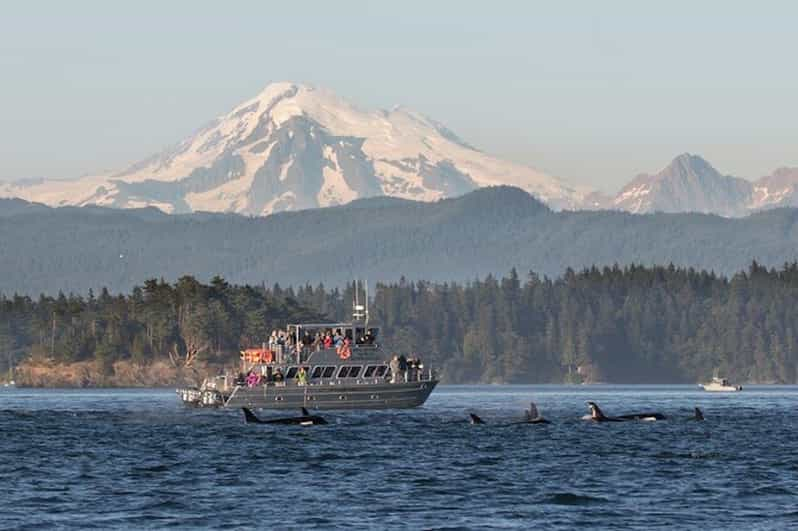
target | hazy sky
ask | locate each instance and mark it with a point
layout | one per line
(593, 92)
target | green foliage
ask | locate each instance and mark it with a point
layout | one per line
(157, 319)
(632, 324)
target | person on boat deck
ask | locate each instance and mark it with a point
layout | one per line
(273, 340)
(301, 376)
(328, 340)
(394, 368)
(338, 339)
(253, 379)
(411, 370)
(403, 367)
(241, 380)
(278, 375)
(318, 341)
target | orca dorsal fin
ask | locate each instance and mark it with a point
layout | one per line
(475, 419)
(699, 415)
(533, 411)
(305, 412)
(249, 416)
(596, 412)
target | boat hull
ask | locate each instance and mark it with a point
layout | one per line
(721, 388)
(322, 397)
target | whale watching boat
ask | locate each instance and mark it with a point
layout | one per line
(319, 366)
(720, 385)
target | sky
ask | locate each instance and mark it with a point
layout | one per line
(592, 92)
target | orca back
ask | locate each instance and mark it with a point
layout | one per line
(250, 418)
(596, 413)
(475, 419)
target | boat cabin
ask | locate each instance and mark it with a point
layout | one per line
(327, 351)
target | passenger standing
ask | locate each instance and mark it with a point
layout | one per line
(403, 367)
(394, 368)
(301, 376)
(411, 370)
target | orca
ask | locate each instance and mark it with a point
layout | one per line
(531, 416)
(698, 415)
(305, 420)
(597, 415)
(475, 419)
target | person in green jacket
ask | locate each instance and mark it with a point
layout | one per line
(302, 376)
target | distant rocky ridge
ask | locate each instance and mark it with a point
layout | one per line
(690, 184)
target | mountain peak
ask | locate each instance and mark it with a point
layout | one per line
(688, 184)
(687, 163)
(295, 146)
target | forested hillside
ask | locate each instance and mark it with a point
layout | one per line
(488, 231)
(632, 324)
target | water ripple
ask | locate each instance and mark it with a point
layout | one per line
(137, 459)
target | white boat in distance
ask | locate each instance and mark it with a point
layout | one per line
(720, 385)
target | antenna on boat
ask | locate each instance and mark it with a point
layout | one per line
(366, 286)
(357, 308)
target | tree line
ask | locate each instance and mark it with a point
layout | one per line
(614, 324)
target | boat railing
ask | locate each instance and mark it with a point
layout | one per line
(421, 376)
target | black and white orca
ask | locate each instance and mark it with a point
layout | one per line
(305, 420)
(698, 415)
(597, 415)
(531, 416)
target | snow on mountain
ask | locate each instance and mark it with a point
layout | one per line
(777, 190)
(293, 147)
(690, 184)
(687, 184)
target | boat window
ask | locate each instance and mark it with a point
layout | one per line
(354, 371)
(381, 370)
(317, 371)
(329, 371)
(369, 371)
(291, 373)
(344, 372)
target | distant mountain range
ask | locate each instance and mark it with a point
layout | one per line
(691, 184)
(489, 230)
(295, 147)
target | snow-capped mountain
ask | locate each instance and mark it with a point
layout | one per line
(293, 147)
(777, 190)
(687, 184)
(690, 184)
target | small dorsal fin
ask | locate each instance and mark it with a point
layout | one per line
(249, 416)
(475, 419)
(596, 412)
(533, 411)
(305, 412)
(699, 415)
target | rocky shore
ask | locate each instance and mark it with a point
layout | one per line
(122, 374)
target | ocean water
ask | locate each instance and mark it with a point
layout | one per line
(138, 459)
